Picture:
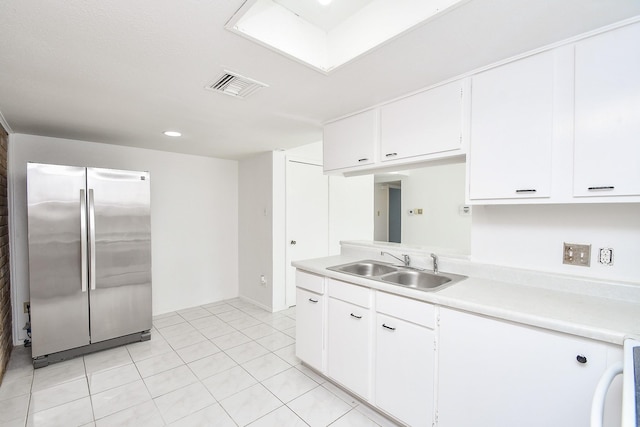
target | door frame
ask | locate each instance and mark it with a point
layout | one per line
(289, 288)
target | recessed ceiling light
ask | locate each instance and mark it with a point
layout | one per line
(324, 2)
(172, 133)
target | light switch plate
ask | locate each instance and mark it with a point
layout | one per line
(575, 254)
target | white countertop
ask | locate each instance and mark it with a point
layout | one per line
(602, 318)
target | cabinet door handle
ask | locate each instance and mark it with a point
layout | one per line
(527, 190)
(581, 358)
(391, 154)
(355, 316)
(388, 327)
(605, 188)
(313, 300)
(363, 160)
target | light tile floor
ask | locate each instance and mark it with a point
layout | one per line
(224, 364)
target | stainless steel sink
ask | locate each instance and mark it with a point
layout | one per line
(396, 275)
(365, 268)
(420, 279)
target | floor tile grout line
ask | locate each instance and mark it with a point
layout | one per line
(86, 377)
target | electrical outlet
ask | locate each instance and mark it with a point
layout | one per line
(605, 256)
(575, 254)
(263, 281)
(25, 307)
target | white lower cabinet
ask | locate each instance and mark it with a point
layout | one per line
(310, 319)
(309, 328)
(405, 358)
(404, 370)
(498, 374)
(482, 372)
(349, 344)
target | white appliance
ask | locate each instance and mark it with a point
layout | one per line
(630, 370)
(89, 259)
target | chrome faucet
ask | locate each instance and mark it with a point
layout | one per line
(435, 263)
(405, 258)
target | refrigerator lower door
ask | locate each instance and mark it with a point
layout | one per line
(120, 252)
(58, 293)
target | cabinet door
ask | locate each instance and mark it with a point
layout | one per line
(348, 346)
(351, 141)
(607, 114)
(493, 373)
(309, 328)
(426, 123)
(512, 130)
(404, 370)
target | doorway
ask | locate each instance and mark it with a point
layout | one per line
(395, 214)
(387, 210)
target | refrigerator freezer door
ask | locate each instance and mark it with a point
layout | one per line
(59, 304)
(120, 232)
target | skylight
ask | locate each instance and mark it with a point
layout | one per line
(328, 36)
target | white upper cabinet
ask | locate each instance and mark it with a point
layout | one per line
(607, 114)
(351, 141)
(512, 130)
(426, 123)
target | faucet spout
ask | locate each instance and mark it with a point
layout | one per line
(406, 260)
(435, 263)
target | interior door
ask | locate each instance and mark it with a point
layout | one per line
(58, 295)
(120, 265)
(307, 218)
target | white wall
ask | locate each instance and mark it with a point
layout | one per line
(532, 236)
(255, 238)
(439, 191)
(351, 210)
(262, 240)
(194, 218)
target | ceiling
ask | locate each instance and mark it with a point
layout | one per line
(121, 72)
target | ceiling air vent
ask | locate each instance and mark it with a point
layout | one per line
(235, 85)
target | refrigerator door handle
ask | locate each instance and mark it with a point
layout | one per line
(83, 240)
(92, 242)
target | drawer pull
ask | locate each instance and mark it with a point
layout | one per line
(529, 190)
(362, 160)
(313, 300)
(388, 327)
(391, 154)
(605, 188)
(355, 316)
(581, 358)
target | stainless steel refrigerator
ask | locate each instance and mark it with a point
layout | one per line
(89, 259)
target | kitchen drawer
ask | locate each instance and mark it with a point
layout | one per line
(408, 309)
(350, 293)
(310, 282)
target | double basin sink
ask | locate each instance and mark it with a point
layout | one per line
(403, 276)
